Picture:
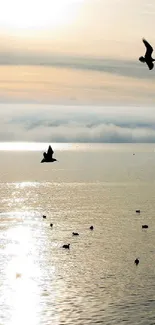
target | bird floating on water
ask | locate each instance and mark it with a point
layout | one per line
(75, 233)
(91, 228)
(44, 217)
(148, 55)
(137, 211)
(51, 225)
(136, 261)
(48, 157)
(145, 226)
(66, 246)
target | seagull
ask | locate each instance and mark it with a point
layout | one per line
(148, 55)
(136, 261)
(48, 157)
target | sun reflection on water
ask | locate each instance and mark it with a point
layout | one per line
(22, 273)
(24, 299)
(26, 184)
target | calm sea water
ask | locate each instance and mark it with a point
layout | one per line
(96, 281)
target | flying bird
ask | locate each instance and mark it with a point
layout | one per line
(48, 157)
(148, 55)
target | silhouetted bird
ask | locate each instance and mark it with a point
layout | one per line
(148, 55)
(145, 226)
(137, 211)
(75, 234)
(44, 217)
(136, 261)
(48, 157)
(91, 228)
(66, 246)
(51, 224)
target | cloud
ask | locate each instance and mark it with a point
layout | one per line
(127, 68)
(78, 124)
(103, 133)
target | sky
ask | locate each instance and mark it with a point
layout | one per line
(69, 71)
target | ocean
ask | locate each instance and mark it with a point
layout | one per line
(96, 281)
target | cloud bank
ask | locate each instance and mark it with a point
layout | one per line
(78, 124)
(126, 68)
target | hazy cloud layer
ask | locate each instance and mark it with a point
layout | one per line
(78, 124)
(126, 68)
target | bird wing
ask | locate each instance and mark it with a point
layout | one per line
(50, 152)
(45, 155)
(150, 65)
(149, 48)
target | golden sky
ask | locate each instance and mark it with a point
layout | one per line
(54, 34)
(85, 27)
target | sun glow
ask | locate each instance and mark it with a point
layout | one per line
(33, 146)
(38, 14)
(22, 292)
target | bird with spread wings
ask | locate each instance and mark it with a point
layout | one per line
(148, 55)
(48, 156)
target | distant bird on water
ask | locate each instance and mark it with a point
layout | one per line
(136, 261)
(44, 217)
(66, 246)
(75, 233)
(91, 228)
(148, 55)
(145, 226)
(48, 157)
